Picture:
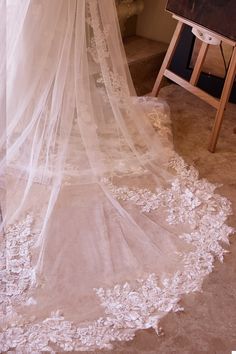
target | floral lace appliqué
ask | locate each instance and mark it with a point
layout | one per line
(127, 307)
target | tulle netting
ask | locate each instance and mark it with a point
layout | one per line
(104, 227)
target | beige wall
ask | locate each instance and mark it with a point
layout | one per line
(154, 22)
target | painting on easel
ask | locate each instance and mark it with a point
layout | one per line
(216, 15)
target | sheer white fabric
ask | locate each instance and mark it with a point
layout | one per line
(104, 226)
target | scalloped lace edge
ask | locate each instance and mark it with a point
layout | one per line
(127, 308)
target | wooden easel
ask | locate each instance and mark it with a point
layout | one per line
(218, 104)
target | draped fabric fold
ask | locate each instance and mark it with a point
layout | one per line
(104, 227)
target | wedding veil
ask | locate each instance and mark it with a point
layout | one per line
(92, 193)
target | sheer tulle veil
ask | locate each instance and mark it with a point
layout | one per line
(104, 226)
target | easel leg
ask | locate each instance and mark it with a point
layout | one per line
(199, 63)
(168, 57)
(223, 102)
